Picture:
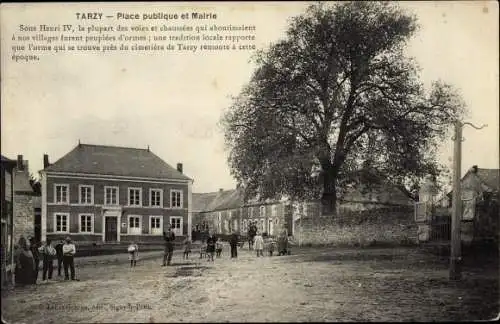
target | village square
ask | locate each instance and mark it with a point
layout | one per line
(339, 185)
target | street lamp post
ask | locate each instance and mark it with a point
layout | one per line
(456, 216)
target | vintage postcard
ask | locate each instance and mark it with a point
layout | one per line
(249, 161)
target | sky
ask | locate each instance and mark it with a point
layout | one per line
(173, 102)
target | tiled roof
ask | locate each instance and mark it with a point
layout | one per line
(201, 201)
(117, 161)
(490, 177)
(221, 200)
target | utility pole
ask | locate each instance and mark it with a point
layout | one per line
(456, 216)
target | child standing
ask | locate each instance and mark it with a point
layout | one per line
(133, 253)
(187, 248)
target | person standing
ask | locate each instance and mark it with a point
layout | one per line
(259, 244)
(169, 238)
(233, 242)
(36, 257)
(211, 241)
(25, 265)
(48, 254)
(60, 256)
(187, 248)
(69, 251)
(133, 254)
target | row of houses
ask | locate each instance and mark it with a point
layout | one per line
(110, 195)
(226, 211)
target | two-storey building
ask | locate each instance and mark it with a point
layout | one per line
(113, 194)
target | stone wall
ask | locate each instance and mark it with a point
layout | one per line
(24, 216)
(362, 228)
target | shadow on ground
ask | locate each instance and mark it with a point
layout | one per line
(188, 271)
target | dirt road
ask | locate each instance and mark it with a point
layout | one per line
(339, 285)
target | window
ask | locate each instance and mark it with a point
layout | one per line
(110, 195)
(155, 197)
(134, 225)
(61, 221)
(61, 194)
(226, 226)
(262, 225)
(235, 224)
(250, 211)
(262, 211)
(156, 225)
(86, 223)
(176, 198)
(86, 195)
(134, 196)
(176, 223)
(271, 232)
(219, 222)
(274, 211)
(245, 225)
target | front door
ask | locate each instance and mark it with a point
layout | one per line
(111, 229)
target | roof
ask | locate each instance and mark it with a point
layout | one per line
(221, 200)
(117, 161)
(490, 177)
(6, 160)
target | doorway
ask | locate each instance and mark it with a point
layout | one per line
(111, 229)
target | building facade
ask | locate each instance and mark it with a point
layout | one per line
(7, 194)
(225, 212)
(110, 194)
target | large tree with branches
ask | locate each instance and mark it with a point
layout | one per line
(337, 95)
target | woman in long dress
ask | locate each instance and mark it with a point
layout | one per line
(25, 264)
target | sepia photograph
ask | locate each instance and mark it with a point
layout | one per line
(199, 162)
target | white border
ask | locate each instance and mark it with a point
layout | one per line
(151, 190)
(55, 194)
(92, 216)
(140, 196)
(180, 233)
(140, 224)
(91, 195)
(95, 176)
(161, 224)
(112, 213)
(117, 195)
(54, 230)
(181, 198)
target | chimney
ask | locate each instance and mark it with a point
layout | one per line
(46, 161)
(179, 167)
(474, 168)
(221, 190)
(20, 165)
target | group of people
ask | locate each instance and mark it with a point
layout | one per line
(29, 254)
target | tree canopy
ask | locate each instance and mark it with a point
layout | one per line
(336, 102)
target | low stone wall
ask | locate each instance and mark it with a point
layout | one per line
(387, 226)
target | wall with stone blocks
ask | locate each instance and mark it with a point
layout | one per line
(362, 228)
(24, 216)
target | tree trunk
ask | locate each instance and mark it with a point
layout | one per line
(329, 197)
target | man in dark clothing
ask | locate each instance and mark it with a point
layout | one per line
(59, 253)
(252, 231)
(169, 238)
(36, 258)
(234, 245)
